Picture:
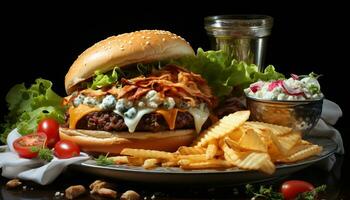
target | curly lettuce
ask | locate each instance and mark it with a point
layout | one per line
(100, 80)
(224, 73)
(27, 106)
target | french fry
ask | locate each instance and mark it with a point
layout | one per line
(135, 161)
(210, 164)
(150, 163)
(231, 142)
(142, 153)
(211, 150)
(172, 163)
(195, 157)
(222, 128)
(120, 159)
(183, 150)
(183, 162)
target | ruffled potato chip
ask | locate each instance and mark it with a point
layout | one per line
(222, 128)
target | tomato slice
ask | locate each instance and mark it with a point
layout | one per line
(291, 189)
(24, 144)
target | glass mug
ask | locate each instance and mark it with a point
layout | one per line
(243, 37)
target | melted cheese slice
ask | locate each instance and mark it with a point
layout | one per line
(132, 123)
(169, 116)
(200, 116)
(75, 114)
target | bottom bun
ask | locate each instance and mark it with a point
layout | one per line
(114, 143)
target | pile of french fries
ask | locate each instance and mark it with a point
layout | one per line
(231, 142)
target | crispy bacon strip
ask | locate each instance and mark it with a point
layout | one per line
(126, 89)
(94, 93)
(170, 81)
(139, 93)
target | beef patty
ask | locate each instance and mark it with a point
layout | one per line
(153, 122)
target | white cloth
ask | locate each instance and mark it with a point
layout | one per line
(331, 112)
(33, 169)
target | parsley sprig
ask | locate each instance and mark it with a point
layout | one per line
(263, 193)
(104, 160)
(311, 195)
(268, 193)
(43, 153)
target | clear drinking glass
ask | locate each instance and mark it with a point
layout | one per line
(244, 37)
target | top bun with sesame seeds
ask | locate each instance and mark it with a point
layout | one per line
(126, 49)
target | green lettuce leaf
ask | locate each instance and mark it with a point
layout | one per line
(27, 106)
(269, 74)
(224, 73)
(28, 121)
(100, 80)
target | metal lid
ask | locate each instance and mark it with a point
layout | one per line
(239, 25)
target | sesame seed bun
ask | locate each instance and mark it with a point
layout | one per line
(107, 142)
(126, 49)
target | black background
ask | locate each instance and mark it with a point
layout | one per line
(44, 40)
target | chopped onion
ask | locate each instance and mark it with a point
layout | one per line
(294, 76)
(291, 91)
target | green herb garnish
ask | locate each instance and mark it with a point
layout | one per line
(104, 160)
(43, 153)
(311, 195)
(268, 193)
(314, 89)
(263, 193)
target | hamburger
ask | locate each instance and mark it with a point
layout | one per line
(124, 92)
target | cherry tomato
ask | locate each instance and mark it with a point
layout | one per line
(50, 128)
(291, 189)
(66, 149)
(24, 144)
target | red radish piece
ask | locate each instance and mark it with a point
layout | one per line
(291, 91)
(275, 84)
(256, 86)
